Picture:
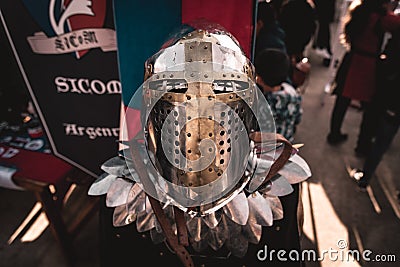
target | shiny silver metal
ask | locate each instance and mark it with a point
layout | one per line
(199, 93)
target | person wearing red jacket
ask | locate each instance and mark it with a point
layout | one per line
(363, 33)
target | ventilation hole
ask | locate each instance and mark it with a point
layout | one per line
(229, 131)
(188, 97)
(219, 174)
(221, 143)
(189, 134)
(209, 134)
(176, 151)
(175, 113)
(222, 123)
(229, 140)
(189, 118)
(230, 112)
(222, 133)
(210, 117)
(177, 143)
(190, 169)
(176, 133)
(229, 149)
(176, 122)
(222, 152)
(210, 149)
(189, 151)
(177, 161)
(222, 114)
(210, 169)
(221, 161)
(229, 122)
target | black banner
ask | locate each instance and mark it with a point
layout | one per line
(66, 53)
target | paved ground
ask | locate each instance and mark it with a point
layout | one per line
(336, 213)
(338, 218)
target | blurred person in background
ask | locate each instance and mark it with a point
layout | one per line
(356, 77)
(298, 20)
(272, 66)
(325, 12)
(384, 113)
(269, 32)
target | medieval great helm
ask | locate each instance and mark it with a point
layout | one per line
(206, 151)
(199, 105)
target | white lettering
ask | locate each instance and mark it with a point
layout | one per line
(281, 255)
(80, 130)
(262, 254)
(74, 89)
(295, 257)
(62, 86)
(114, 87)
(84, 90)
(85, 86)
(95, 88)
(365, 255)
(70, 129)
(90, 131)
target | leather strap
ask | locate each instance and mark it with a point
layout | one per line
(181, 227)
(259, 137)
(172, 239)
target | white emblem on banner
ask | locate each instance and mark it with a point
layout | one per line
(74, 41)
(77, 40)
